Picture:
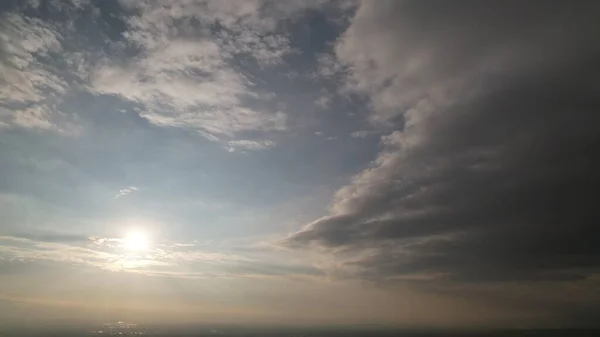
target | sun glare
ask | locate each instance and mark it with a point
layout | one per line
(136, 241)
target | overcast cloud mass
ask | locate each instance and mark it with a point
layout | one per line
(411, 163)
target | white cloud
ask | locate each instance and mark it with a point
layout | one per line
(29, 84)
(166, 259)
(41, 117)
(102, 254)
(195, 256)
(359, 134)
(323, 102)
(24, 77)
(185, 84)
(184, 72)
(244, 144)
(36, 118)
(22, 248)
(125, 191)
(329, 66)
(184, 76)
(267, 50)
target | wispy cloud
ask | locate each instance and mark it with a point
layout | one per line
(185, 75)
(244, 144)
(162, 259)
(359, 134)
(30, 86)
(323, 101)
(183, 65)
(43, 117)
(24, 43)
(126, 191)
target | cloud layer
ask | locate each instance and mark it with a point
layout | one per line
(493, 172)
(180, 63)
(167, 259)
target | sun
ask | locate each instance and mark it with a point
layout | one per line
(136, 241)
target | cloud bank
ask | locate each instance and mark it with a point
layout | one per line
(492, 172)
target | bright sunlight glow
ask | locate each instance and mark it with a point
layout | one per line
(136, 241)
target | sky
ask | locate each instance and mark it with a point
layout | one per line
(397, 163)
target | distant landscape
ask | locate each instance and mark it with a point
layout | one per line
(234, 331)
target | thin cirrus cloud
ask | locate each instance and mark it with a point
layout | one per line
(249, 145)
(126, 191)
(162, 259)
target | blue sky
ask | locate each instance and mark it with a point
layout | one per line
(297, 162)
(261, 144)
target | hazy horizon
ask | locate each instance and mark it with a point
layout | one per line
(304, 163)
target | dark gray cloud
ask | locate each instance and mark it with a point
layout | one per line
(493, 172)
